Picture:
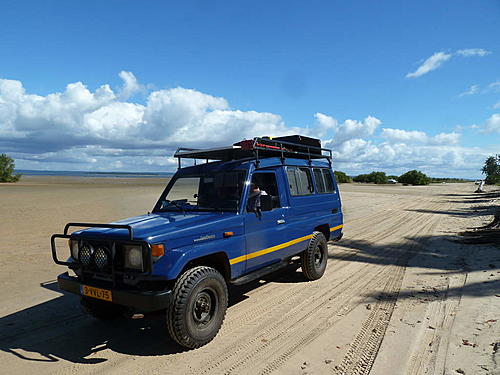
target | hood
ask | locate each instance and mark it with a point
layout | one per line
(152, 227)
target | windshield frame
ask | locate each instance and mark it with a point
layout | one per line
(175, 208)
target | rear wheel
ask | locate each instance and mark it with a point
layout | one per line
(314, 258)
(198, 307)
(102, 310)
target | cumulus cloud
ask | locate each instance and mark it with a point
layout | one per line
(130, 85)
(398, 135)
(492, 124)
(323, 124)
(438, 58)
(352, 129)
(100, 130)
(413, 136)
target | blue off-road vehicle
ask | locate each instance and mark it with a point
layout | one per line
(236, 214)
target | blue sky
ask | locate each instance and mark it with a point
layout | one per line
(251, 66)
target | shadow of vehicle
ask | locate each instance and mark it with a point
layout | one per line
(59, 329)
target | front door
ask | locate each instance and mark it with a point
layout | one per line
(267, 230)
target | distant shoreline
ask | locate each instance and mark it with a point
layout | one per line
(96, 174)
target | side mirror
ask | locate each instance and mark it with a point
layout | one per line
(266, 203)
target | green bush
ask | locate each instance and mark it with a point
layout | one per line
(414, 177)
(492, 170)
(342, 178)
(7, 169)
(374, 177)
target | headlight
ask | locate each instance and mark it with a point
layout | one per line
(85, 253)
(101, 258)
(133, 257)
(73, 247)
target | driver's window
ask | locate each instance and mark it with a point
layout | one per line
(263, 183)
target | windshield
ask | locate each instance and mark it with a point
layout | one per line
(218, 191)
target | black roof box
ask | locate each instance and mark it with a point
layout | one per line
(300, 140)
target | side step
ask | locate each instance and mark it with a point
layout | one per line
(255, 275)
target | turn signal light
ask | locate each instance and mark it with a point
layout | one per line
(157, 250)
(227, 234)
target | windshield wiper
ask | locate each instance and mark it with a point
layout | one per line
(174, 203)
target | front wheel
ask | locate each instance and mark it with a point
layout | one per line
(198, 307)
(314, 258)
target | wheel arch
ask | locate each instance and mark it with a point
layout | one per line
(218, 261)
(325, 229)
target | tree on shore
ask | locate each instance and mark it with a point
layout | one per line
(341, 177)
(374, 177)
(414, 177)
(491, 169)
(7, 169)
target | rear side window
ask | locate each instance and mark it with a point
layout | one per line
(300, 181)
(324, 180)
(320, 182)
(328, 181)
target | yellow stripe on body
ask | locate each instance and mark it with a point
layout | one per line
(269, 250)
(337, 227)
(275, 248)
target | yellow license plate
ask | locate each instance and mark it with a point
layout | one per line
(98, 293)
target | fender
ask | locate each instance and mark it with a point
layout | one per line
(175, 260)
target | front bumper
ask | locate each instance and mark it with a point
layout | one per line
(141, 301)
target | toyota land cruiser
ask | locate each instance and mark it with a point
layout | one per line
(245, 211)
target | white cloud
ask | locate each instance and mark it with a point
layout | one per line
(130, 85)
(351, 129)
(323, 124)
(446, 139)
(474, 89)
(438, 58)
(398, 135)
(492, 124)
(91, 130)
(432, 63)
(473, 52)
(496, 105)
(494, 86)
(414, 136)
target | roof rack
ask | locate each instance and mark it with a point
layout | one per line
(296, 146)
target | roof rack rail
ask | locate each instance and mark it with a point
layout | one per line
(295, 146)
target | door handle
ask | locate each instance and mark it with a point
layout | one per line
(280, 221)
(334, 211)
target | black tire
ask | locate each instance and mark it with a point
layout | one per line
(102, 310)
(198, 308)
(314, 258)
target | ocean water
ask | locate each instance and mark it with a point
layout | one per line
(28, 172)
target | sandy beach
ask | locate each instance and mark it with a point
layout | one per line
(400, 295)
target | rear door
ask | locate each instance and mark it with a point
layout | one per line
(330, 209)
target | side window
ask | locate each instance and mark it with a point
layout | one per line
(300, 181)
(324, 180)
(266, 183)
(320, 182)
(290, 173)
(328, 181)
